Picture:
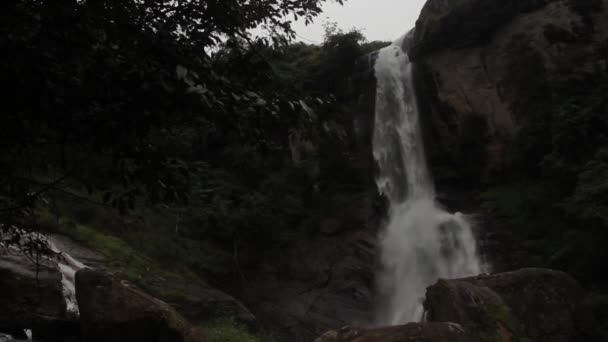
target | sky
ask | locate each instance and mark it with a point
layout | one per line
(383, 20)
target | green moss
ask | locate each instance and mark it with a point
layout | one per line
(131, 264)
(228, 330)
(497, 317)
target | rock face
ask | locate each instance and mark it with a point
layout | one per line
(113, 310)
(326, 281)
(537, 304)
(484, 66)
(32, 298)
(464, 23)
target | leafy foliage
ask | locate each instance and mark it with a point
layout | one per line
(100, 92)
(163, 144)
(228, 330)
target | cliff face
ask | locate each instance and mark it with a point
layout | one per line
(486, 67)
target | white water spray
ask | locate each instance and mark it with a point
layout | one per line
(421, 242)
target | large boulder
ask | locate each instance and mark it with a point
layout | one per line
(427, 332)
(538, 304)
(114, 310)
(32, 298)
(527, 305)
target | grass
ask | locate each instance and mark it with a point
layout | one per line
(129, 263)
(228, 330)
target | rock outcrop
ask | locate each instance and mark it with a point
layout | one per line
(538, 304)
(32, 298)
(326, 281)
(428, 332)
(114, 310)
(484, 68)
(527, 305)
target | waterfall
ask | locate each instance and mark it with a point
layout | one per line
(68, 266)
(421, 242)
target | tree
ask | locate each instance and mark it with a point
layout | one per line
(95, 90)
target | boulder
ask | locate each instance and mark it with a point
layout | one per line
(538, 304)
(32, 298)
(114, 310)
(427, 332)
(479, 309)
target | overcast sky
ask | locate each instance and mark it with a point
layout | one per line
(378, 19)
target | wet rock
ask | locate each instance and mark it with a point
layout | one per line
(427, 332)
(114, 310)
(538, 304)
(32, 298)
(78, 251)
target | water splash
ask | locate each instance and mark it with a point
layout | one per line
(421, 242)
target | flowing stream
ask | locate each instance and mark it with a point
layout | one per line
(68, 266)
(421, 241)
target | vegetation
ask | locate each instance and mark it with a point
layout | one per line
(122, 97)
(173, 113)
(549, 206)
(165, 136)
(168, 139)
(228, 330)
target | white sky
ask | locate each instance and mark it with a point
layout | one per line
(378, 19)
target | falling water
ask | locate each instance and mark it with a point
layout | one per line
(421, 242)
(68, 266)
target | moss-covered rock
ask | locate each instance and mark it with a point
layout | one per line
(526, 305)
(427, 332)
(480, 309)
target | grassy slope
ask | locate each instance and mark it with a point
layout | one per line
(141, 257)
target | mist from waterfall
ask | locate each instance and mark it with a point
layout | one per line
(421, 242)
